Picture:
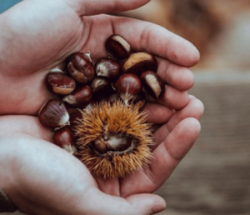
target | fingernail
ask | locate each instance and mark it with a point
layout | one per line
(159, 207)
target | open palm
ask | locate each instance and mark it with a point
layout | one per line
(39, 35)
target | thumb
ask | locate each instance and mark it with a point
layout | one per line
(139, 204)
(147, 204)
(93, 7)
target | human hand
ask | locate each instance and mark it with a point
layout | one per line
(68, 31)
(41, 178)
(37, 36)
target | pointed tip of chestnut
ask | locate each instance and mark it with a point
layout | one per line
(140, 62)
(74, 115)
(53, 114)
(64, 138)
(107, 68)
(128, 85)
(117, 47)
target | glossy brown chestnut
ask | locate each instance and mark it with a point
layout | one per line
(101, 88)
(59, 83)
(53, 114)
(118, 143)
(117, 47)
(128, 86)
(81, 68)
(99, 84)
(140, 62)
(140, 99)
(80, 97)
(107, 68)
(152, 83)
(64, 138)
(74, 115)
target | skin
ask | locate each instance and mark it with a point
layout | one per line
(41, 178)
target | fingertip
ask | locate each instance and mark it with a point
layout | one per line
(195, 109)
(192, 127)
(198, 107)
(183, 137)
(182, 52)
(182, 78)
(174, 98)
(160, 206)
(147, 203)
(194, 55)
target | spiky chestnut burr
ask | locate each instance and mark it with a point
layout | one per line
(113, 139)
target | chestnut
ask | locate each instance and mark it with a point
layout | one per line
(117, 47)
(59, 83)
(139, 99)
(99, 84)
(108, 68)
(116, 143)
(53, 114)
(80, 97)
(64, 138)
(74, 115)
(81, 68)
(152, 83)
(128, 86)
(101, 88)
(140, 62)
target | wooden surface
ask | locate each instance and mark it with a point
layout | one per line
(214, 178)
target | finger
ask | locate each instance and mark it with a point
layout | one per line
(154, 39)
(133, 205)
(179, 77)
(90, 7)
(147, 203)
(165, 159)
(193, 109)
(156, 113)
(108, 186)
(29, 125)
(173, 98)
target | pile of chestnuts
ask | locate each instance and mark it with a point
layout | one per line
(122, 75)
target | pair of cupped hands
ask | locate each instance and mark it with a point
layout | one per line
(41, 178)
